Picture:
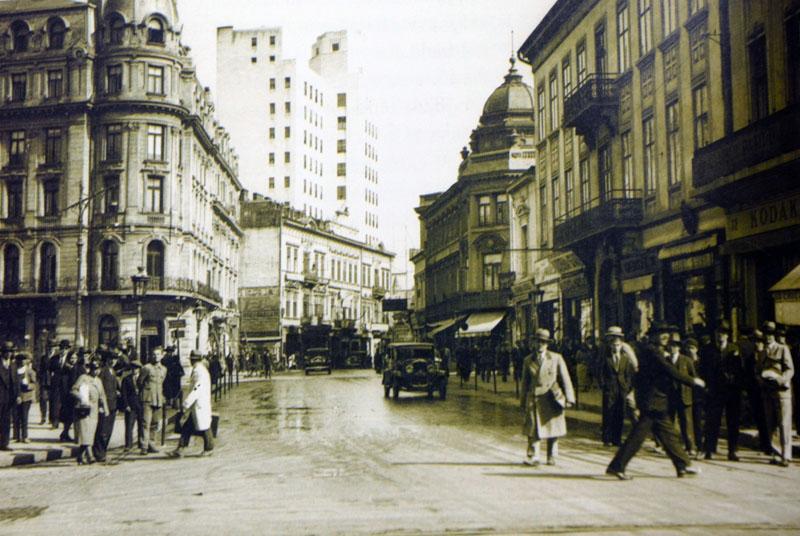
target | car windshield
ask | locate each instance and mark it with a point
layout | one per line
(403, 354)
(317, 352)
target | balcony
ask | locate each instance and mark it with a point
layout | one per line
(734, 169)
(593, 103)
(378, 292)
(310, 278)
(619, 209)
(156, 284)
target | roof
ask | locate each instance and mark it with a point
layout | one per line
(562, 19)
(512, 95)
(29, 6)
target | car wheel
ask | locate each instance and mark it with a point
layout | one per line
(386, 391)
(443, 392)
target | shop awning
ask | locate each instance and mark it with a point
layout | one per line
(480, 324)
(790, 281)
(637, 284)
(786, 293)
(438, 327)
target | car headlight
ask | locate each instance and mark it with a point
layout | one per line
(409, 369)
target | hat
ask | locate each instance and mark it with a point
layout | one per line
(542, 334)
(769, 327)
(8, 346)
(724, 327)
(615, 331)
(691, 342)
(675, 340)
(195, 356)
(758, 335)
(21, 356)
(64, 343)
(135, 364)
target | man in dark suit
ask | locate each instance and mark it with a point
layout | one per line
(656, 383)
(105, 422)
(131, 403)
(751, 385)
(722, 369)
(681, 406)
(617, 369)
(58, 363)
(9, 393)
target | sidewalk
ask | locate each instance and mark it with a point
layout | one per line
(587, 415)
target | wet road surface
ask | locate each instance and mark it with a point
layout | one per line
(329, 455)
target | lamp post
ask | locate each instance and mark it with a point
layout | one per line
(139, 280)
(199, 312)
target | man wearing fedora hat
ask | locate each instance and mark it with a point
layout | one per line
(656, 382)
(9, 393)
(617, 370)
(723, 371)
(131, 403)
(775, 370)
(546, 391)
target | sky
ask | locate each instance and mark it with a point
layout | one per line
(430, 65)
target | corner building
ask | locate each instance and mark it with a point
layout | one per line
(626, 91)
(111, 158)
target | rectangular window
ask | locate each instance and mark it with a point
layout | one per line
(600, 65)
(254, 41)
(272, 59)
(669, 16)
(114, 79)
(14, 207)
(271, 158)
(341, 169)
(155, 80)
(580, 61)
(272, 108)
(556, 191)
(554, 121)
(52, 147)
(287, 132)
(272, 133)
(341, 123)
(111, 194)
(341, 193)
(604, 170)
(793, 56)
(544, 233)
(645, 26)
(341, 146)
(155, 142)
(700, 106)
(502, 209)
(287, 107)
(287, 157)
(153, 200)
(627, 165)
(759, 87)
(491, 271)
(272, 83)
(649, 156)
(55, 84)
(19, 86)
(287, 82)
(272, 40)
(50, 188)
(583, 169)
(569, 191)
(540, 104)
(341, 100)
(287, 182)
(271, 183)
(566, 77)
(674, 164)
(623, 37)
(484, 210)
(16, 148)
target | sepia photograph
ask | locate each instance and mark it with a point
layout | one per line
(399, 267)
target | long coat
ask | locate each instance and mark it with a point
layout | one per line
(87, 426)
(544, 418)
(198, 400)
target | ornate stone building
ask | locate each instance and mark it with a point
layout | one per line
(464, 231)
(111, 159)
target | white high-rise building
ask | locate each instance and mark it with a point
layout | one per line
(305, 131)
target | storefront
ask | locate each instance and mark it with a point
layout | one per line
(638, 289)
(576, 303)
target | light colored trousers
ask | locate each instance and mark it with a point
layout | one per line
(151, 418)
(778, 413)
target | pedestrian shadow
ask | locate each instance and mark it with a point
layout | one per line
(459, 464)
(572, 476)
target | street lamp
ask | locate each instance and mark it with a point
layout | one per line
(139, 280)
(199, 313)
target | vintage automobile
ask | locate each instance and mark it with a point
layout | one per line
(356, 359)
(317, 360)
(413, 366)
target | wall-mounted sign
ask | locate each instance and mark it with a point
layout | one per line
(766, 217)
(689, 264)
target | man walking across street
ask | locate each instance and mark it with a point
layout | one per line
(776, 370)
(197, 408)
(681, 406)
(151, 394)
(617, 370)
(721, 368)
(656, 384)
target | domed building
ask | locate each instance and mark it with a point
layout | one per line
(117, 162)
(464, 231)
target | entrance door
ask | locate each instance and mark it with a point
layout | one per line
(152, 335)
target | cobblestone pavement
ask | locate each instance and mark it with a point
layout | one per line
(329, 455)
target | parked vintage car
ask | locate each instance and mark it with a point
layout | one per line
(317, 360)
(413, 366)
(356, 359)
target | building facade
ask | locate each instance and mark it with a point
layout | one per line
(626, 92)
(111, 160)
(306, 283)
(317, 148)
(464, 231)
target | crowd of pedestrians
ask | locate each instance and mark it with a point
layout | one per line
(81, 392)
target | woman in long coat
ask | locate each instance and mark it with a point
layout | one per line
(93, 397)
(546, 391)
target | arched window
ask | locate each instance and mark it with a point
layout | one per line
(11, 269)
(47, 268)
(108, 331)
(109, 266)
(56, 32)
(155, 265)
(155, 31)
(21, 35)
(116, 30)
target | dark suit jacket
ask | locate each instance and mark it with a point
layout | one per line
(129, 393)
(721, 369)
(110, 386)
(684, 393)
(619, 381)
(9, 385)
(657, 380)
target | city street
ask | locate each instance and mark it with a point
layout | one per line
(329, 455)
